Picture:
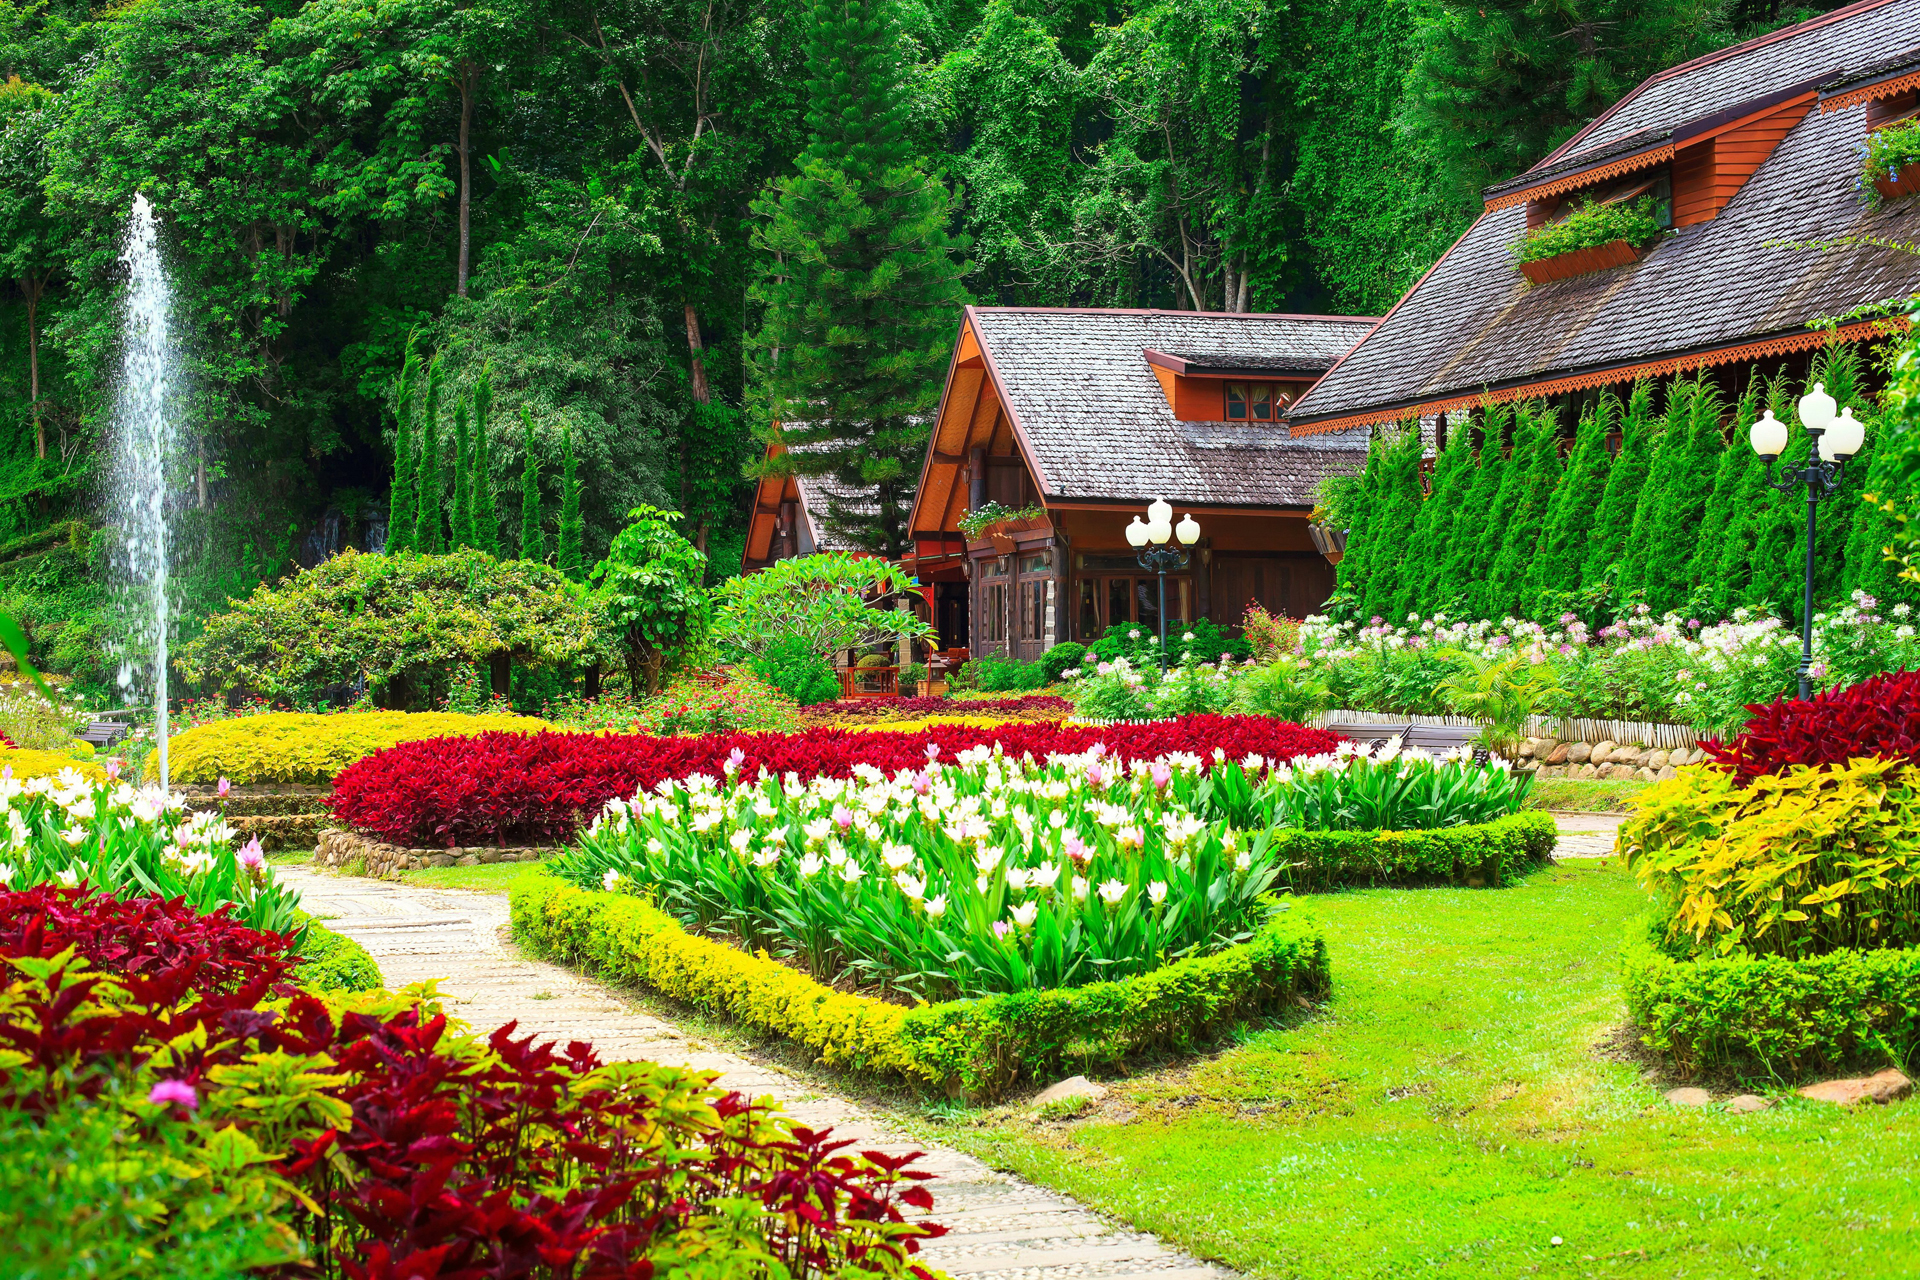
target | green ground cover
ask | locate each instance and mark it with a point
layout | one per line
(1584, 795)
(1465, 1098)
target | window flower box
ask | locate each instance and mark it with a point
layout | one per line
(1001, 534)
(1890, 161)
(1580, 262)
(1901, 182)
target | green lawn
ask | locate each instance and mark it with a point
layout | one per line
(493, 878)
(1588, 795)
(1455, 1107)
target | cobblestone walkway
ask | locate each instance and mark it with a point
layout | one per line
(999, 1227)
(1586, 835)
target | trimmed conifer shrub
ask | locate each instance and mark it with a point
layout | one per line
(1480, 483)
(1497, 466)
(1421, 574)
(571, 559)
(1395, 514)
(401, 502)
(1350, 576)
(1721, 510)
(1673, 525)
(486, 515)
(1613, 522)
(430, 519)
(1555, 575)
(1536, 468)
(462, 476)
(533, 540)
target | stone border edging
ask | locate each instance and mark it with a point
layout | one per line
(337, 848)
(1593, 732)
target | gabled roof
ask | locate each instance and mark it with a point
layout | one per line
(1094, 424)
(1712, 291)
(815, 496)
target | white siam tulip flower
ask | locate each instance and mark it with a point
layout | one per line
(915, 889)
(74, 835)
(810, 866)
(1025, 914)
(655, 848)
(897, 856)
(1112, 891)
(1157, 891)
(1080, 888)
(851, 871)
(937, 907)
(741, 839)
(609, 880)
(67, 876)
(767, 855)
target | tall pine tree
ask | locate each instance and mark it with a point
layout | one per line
(860, 281)
(486, 515)
(1555, 575)
(1673, 529)
(462, 475)
(572, 557)
(400, 498)
(430, 513)
(1667, 445)
(533, 539)
(1350, 577)
(1613, 522)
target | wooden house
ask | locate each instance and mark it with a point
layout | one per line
(1084, 417)
(1752, 157)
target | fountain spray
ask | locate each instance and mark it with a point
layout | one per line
(145, 430)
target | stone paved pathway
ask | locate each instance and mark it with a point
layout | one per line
(1000, 1228)
(1586, 835)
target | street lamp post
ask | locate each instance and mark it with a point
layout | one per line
(1153, 539)
(1834, 441)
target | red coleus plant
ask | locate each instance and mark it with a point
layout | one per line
(539, 788)
(455, 1160)
(1879, 717)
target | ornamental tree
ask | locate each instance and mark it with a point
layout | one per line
(833, 602)
(1563, 539)
(651, 594)
(385, 619)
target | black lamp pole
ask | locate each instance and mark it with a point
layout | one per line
(1821, 478)
(1159, 559)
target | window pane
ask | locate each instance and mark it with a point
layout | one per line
(1146, 603)
(1119, 600)
(1262, 401)
(1089, 610)
(1237, 401)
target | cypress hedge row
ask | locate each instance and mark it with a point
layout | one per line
(1678, 517)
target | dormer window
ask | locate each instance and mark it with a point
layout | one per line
(1655, 185)
(1254, 402)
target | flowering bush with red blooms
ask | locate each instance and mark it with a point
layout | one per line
(395, 1145)
(539, 789)
(1879, 717)
(1031, 706)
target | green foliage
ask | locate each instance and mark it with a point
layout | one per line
(1390, 791)
(83, 1192)
(383, 619)
(463, 479)
(1607, 544)
(1536, 478)
(1590, 225)
(402, 503)
(650, 589)
(1390, 526)
(309, 749)
(1282, 688)
(332, 961)
(792, 666)
(1723, 509)
(533, 540)
(1801, 863)
(979, 1047)
(1681, 486)
(974, 522)
(997, 674)
(571, 557)
(860, 282)
(1888, 151)
(1060, 659)
(1786, 1016)
(430, 521)
(486, 514)
(1492, 853)
(825, 600)
(1570, 515)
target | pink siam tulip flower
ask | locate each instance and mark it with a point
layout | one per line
(1074, 847)
(176, 1092)
(251, 856)
(922, 784)
(223, 788)
(1161, 776)
(842, 817)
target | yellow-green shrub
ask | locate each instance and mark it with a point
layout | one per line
(35, 764)
(1796, 864)
(979, 1047)
(289, 746)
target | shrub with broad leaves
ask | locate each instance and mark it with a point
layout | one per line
(1877, 718)
(541, 788)
(370, 1136)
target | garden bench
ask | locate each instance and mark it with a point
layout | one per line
(1436, 738)
(105, 731)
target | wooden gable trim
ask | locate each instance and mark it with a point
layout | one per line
(1707, 176)
(769, 494)
(1888, 88)
(1782, 345)
(1583, 178)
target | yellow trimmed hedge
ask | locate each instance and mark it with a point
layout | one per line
(289, 746)
(980, 1048)
(36, 764)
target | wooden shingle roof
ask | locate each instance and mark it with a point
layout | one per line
(1746, 275)
(1085, 403)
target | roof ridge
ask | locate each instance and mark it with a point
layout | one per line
(1164, 311)
(1713, 58)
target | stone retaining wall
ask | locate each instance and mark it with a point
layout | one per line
(1622, 762)
(383, 861)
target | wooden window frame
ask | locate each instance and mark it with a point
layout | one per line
(1275, 398)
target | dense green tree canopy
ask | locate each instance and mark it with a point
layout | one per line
(632, 216)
